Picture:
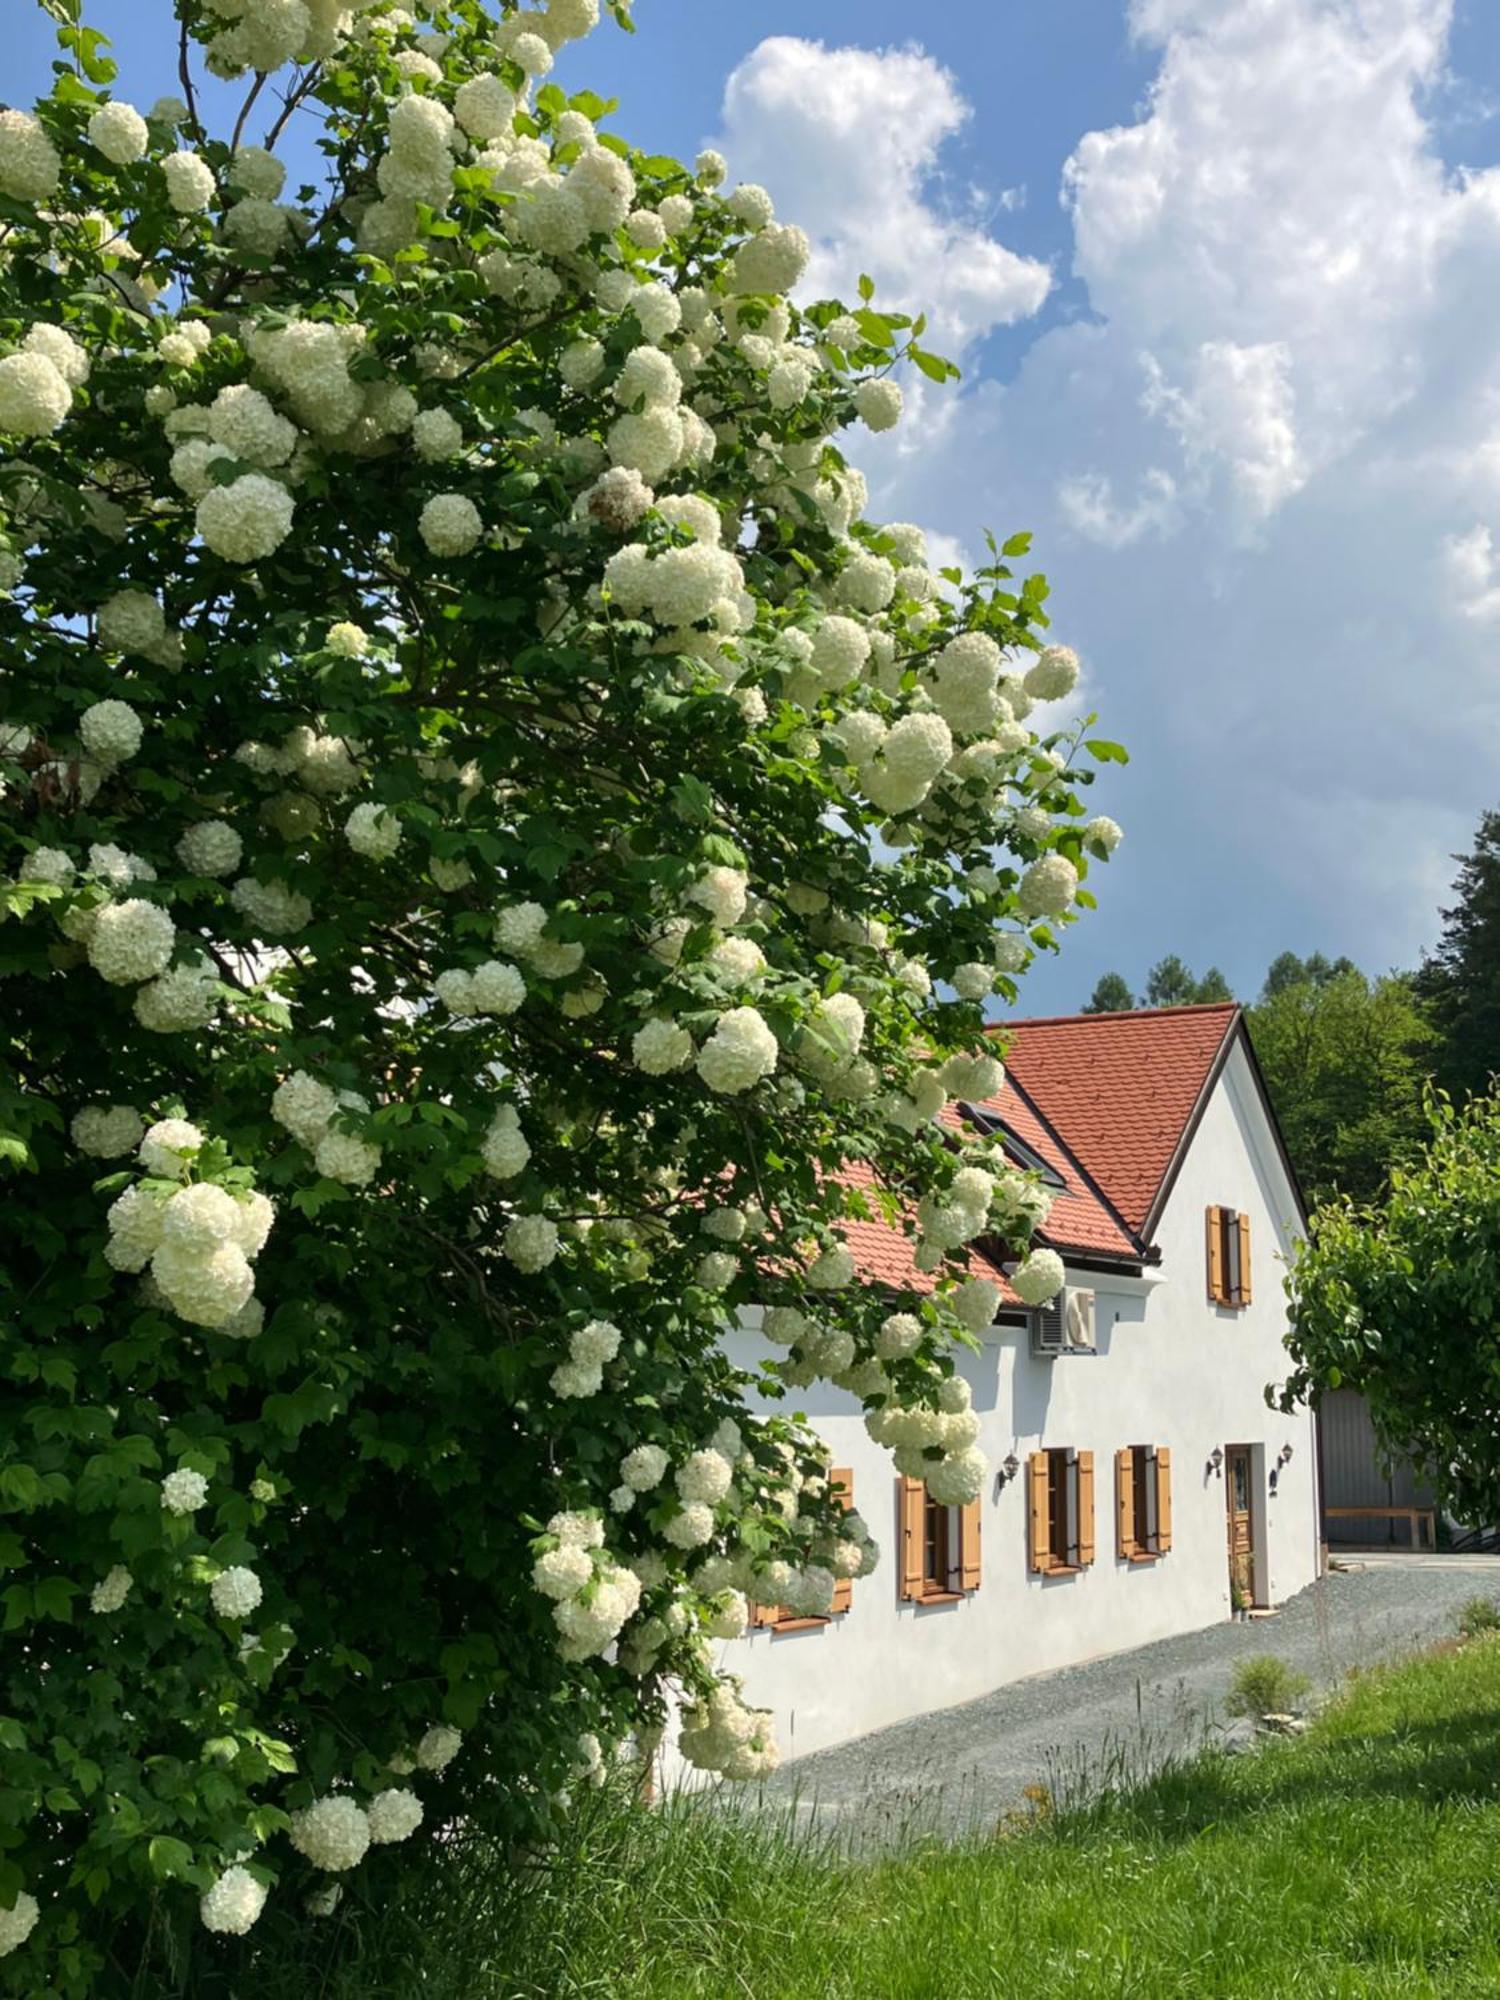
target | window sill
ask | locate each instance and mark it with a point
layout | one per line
(1143, 1555)
(1063, 1569)
(802, 1624)
(939, 1597)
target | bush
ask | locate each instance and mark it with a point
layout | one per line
(1478, 1615)
(1265, 1686)
(487, 829)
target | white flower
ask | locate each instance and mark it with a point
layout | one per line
(304, 1106)
(1103, 833)
(30, 165)
(771, 261)
(111, 731)
(235, 1592)
(643, 1468)
(245, 423)
(691, 1527)
(167, 1146)
(374, 831)
(660, 1047)
(705, 1477)
(450, 525)
(581, 364)
(530, 1242)
(349, 642)
(975, 1302)
(106, 1132)
(878, 402)
(532, 53)
(200, 1217)
(955, 1481)
(1048, 887)
(206, 1289)
(1039, 1278)
(739, 1053)
(210, 847)
(436, 435)
(831, 1270)
(49, 865)
(749, 203)
(972, 981)
(976, 1077)
(190, 182)
(343, 1156)
(710, 168)
(332, 1833)
(722, 892)
(257, 173)
(1054, 675)
(183, 1491)
(484, 106)
(271, 906)
(131, 941)
(246, 520)
(111, 1594)
(438, 1747)
(34, 394)
(717, 1270)
(393, 1815)
(69, 359)
(233, 1903)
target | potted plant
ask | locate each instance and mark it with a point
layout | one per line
(1239, 1599)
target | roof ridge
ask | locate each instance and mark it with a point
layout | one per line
(1115, 1014)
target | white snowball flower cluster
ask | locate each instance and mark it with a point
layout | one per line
(183, 1491)
(719, 1733)
(723, 893)
(332, 1833)
(914, 1432)
(739, 1053)
(1048, 887)
(190, 182)
(202, 1260)
(1039, 1278)
(109, 1595)
(34, 396)
(1054, 675)
(438, 1747)
(111, 731)
(107, 1132)
(234, 1902)
(30, 165)
(273, 907)
(492, 988)
(914, 753)
(590, 1347)
(246, 424)
(644, 1467)
(349, 642)
(131, 941)
(592, 1597)
(962, 682)
(373, 831)
(530, 1242)
(393, 1815)
(18, 1922)
(704, 1478)
(450, 525)
(878, 403)
(661, 1046)
(235, 1592)
(1103, 833)
(504, 1149)
(772, 260)
(210, 847)
(119, 131)
(246, 520)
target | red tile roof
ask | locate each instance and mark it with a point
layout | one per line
(1118, 1090)
(883, 1254)
(1080, 1218)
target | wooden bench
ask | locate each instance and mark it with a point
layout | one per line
(1413, 1517)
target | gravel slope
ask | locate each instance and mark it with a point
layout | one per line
(1090, 1724)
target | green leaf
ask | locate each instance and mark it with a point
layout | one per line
(1105, 752)
(169, 1856)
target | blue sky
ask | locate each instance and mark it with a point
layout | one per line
(1224, 278)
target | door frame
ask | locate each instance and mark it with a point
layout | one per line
(1247, 1452)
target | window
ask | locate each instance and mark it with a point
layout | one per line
(1143, 1502)
(782, 1619)
(939, 1546)
(1228, 1257)
(1062, 1510)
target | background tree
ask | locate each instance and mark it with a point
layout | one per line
(1400, 1300)
(1110, 996)
(1461, 981)
(1287, 970)
(1346, 1060)
(488, 830)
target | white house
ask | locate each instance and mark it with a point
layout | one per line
(1142, 1483)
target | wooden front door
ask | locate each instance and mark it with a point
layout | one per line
(1239, 1502)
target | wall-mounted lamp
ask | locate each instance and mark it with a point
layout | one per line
(1006, 1472)
(1284, 1456)
(1216, 1461)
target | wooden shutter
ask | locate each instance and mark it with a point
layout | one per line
(1125, 1530)
(968, 1546)
(1085, 1508)
(1036, 1482)
(911, 1503)
(1216, 1256)
(841, 1479)
(763, 1614)
(1163, 1499)
(1244, 1229)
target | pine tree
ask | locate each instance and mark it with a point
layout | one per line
(1462, 978)
(1110, 996)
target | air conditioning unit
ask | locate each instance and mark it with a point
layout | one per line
(1065, 1325)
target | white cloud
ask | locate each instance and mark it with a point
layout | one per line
(1087, 503)
(850, 141)
(1473, 568)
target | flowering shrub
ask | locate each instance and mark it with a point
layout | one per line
(489, 831)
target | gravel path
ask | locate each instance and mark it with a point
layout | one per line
(1118, 1717)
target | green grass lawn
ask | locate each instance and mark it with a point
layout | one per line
(1360, 1860)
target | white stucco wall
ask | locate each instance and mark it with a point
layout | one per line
(1171, 1370)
